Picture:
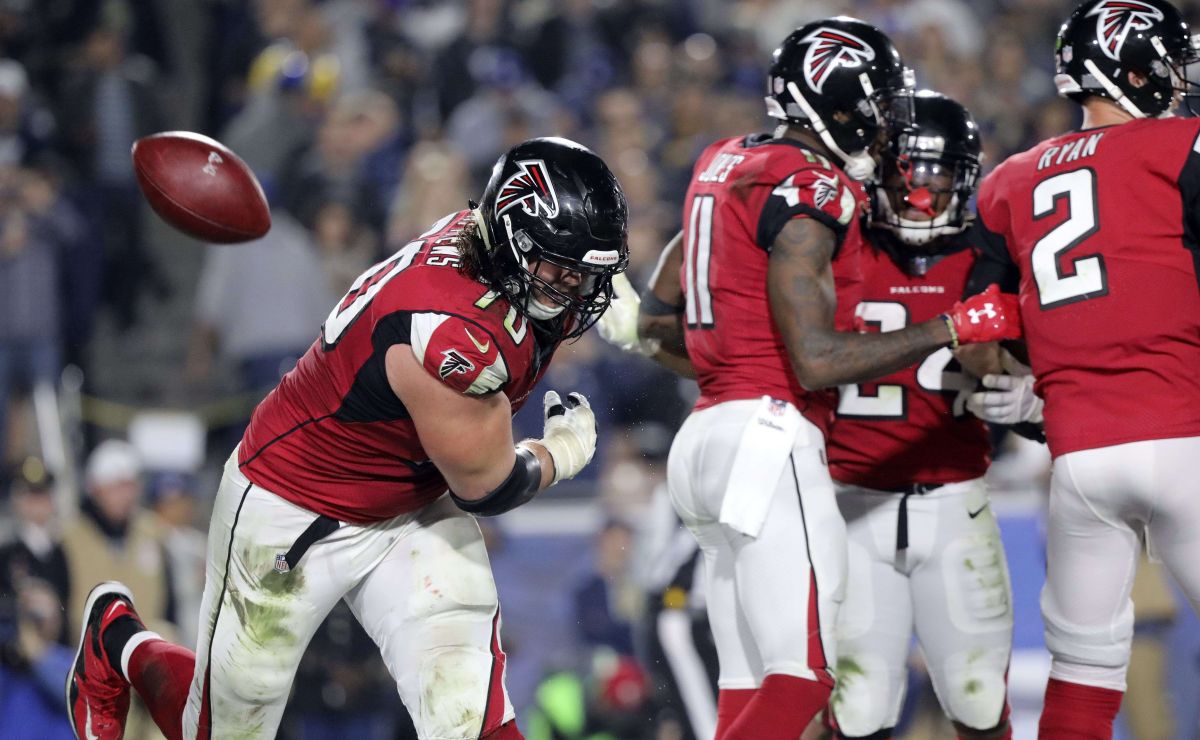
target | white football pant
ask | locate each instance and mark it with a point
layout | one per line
(420, 584)
(772, 599)
(1103, 502)
(950, 584)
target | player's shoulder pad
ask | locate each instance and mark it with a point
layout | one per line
(809, 192)
(458, 352)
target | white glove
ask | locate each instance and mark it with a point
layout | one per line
(570, 433)
(1010, 398)
(618, 324)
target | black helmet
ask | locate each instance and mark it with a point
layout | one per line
(840, 65)
(552, 200)
(1104, 40)
(932, 166)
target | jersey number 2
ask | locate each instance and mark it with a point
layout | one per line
(1089, 279)
(890, 400)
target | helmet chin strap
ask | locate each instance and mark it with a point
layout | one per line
(859, 165)
(540, 311)
(1113, 91)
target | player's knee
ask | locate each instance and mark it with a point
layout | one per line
(975, 695)
(1104, 645)
(253, 683)
(867, 697)
(454, 692)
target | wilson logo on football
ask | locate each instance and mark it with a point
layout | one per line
(1117, 19)
(531, 189)
(454, 363)
(831, 49)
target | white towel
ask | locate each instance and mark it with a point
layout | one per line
(762, 453)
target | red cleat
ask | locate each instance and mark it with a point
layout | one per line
(97, 695)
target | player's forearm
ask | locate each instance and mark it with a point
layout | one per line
(829, 358)
(679, 364)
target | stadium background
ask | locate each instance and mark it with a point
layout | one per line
(365, 121)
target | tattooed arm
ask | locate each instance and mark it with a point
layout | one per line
(801, 290)
(660, 315)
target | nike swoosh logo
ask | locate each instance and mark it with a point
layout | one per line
(115, 605)
(483, 348)
(977, 512)
(87, 728)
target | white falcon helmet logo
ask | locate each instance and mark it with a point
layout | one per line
(829, 50)
(1117, 19)
(531, 188)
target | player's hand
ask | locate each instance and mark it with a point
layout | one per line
(1010, 398)
(986, 317)
(618, 324)
(570, 433)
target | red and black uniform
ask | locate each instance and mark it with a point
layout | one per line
(743, 192)
(911, 426)
(333, 437)
(1102, 246)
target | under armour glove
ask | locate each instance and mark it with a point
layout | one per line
(570, 433)
(1010, 398)
(618, 324)
(985, 317)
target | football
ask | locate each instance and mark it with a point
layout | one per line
(200, 187)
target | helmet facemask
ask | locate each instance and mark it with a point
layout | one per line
(1184, 68)
(852, 133)
(580, 306)
(923, 195)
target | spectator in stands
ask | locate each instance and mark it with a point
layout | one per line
(35, 550)
(259, 305)
(39, 234)
(603, 599)
(115, 537)
(108, 101)
(33, 667)
(346, 245)
(173, 498)
(360, 129)
(25, 127)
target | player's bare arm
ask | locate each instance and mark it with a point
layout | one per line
(660, 315)
(800, 286)
(469, 438)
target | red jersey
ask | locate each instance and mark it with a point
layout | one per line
(911, 426)
(1102, 226)
(743, 192)
(333, 437)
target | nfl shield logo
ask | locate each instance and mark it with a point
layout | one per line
(281, 563)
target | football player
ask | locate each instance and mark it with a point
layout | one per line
(908, 461)
(359, 475)
(1097, 230)
(771, 226)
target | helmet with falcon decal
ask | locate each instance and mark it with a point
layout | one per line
(842, 78)
(928, 173)
(553, 201)
(1105, 40)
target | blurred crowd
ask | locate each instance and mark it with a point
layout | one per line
(365, 120)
